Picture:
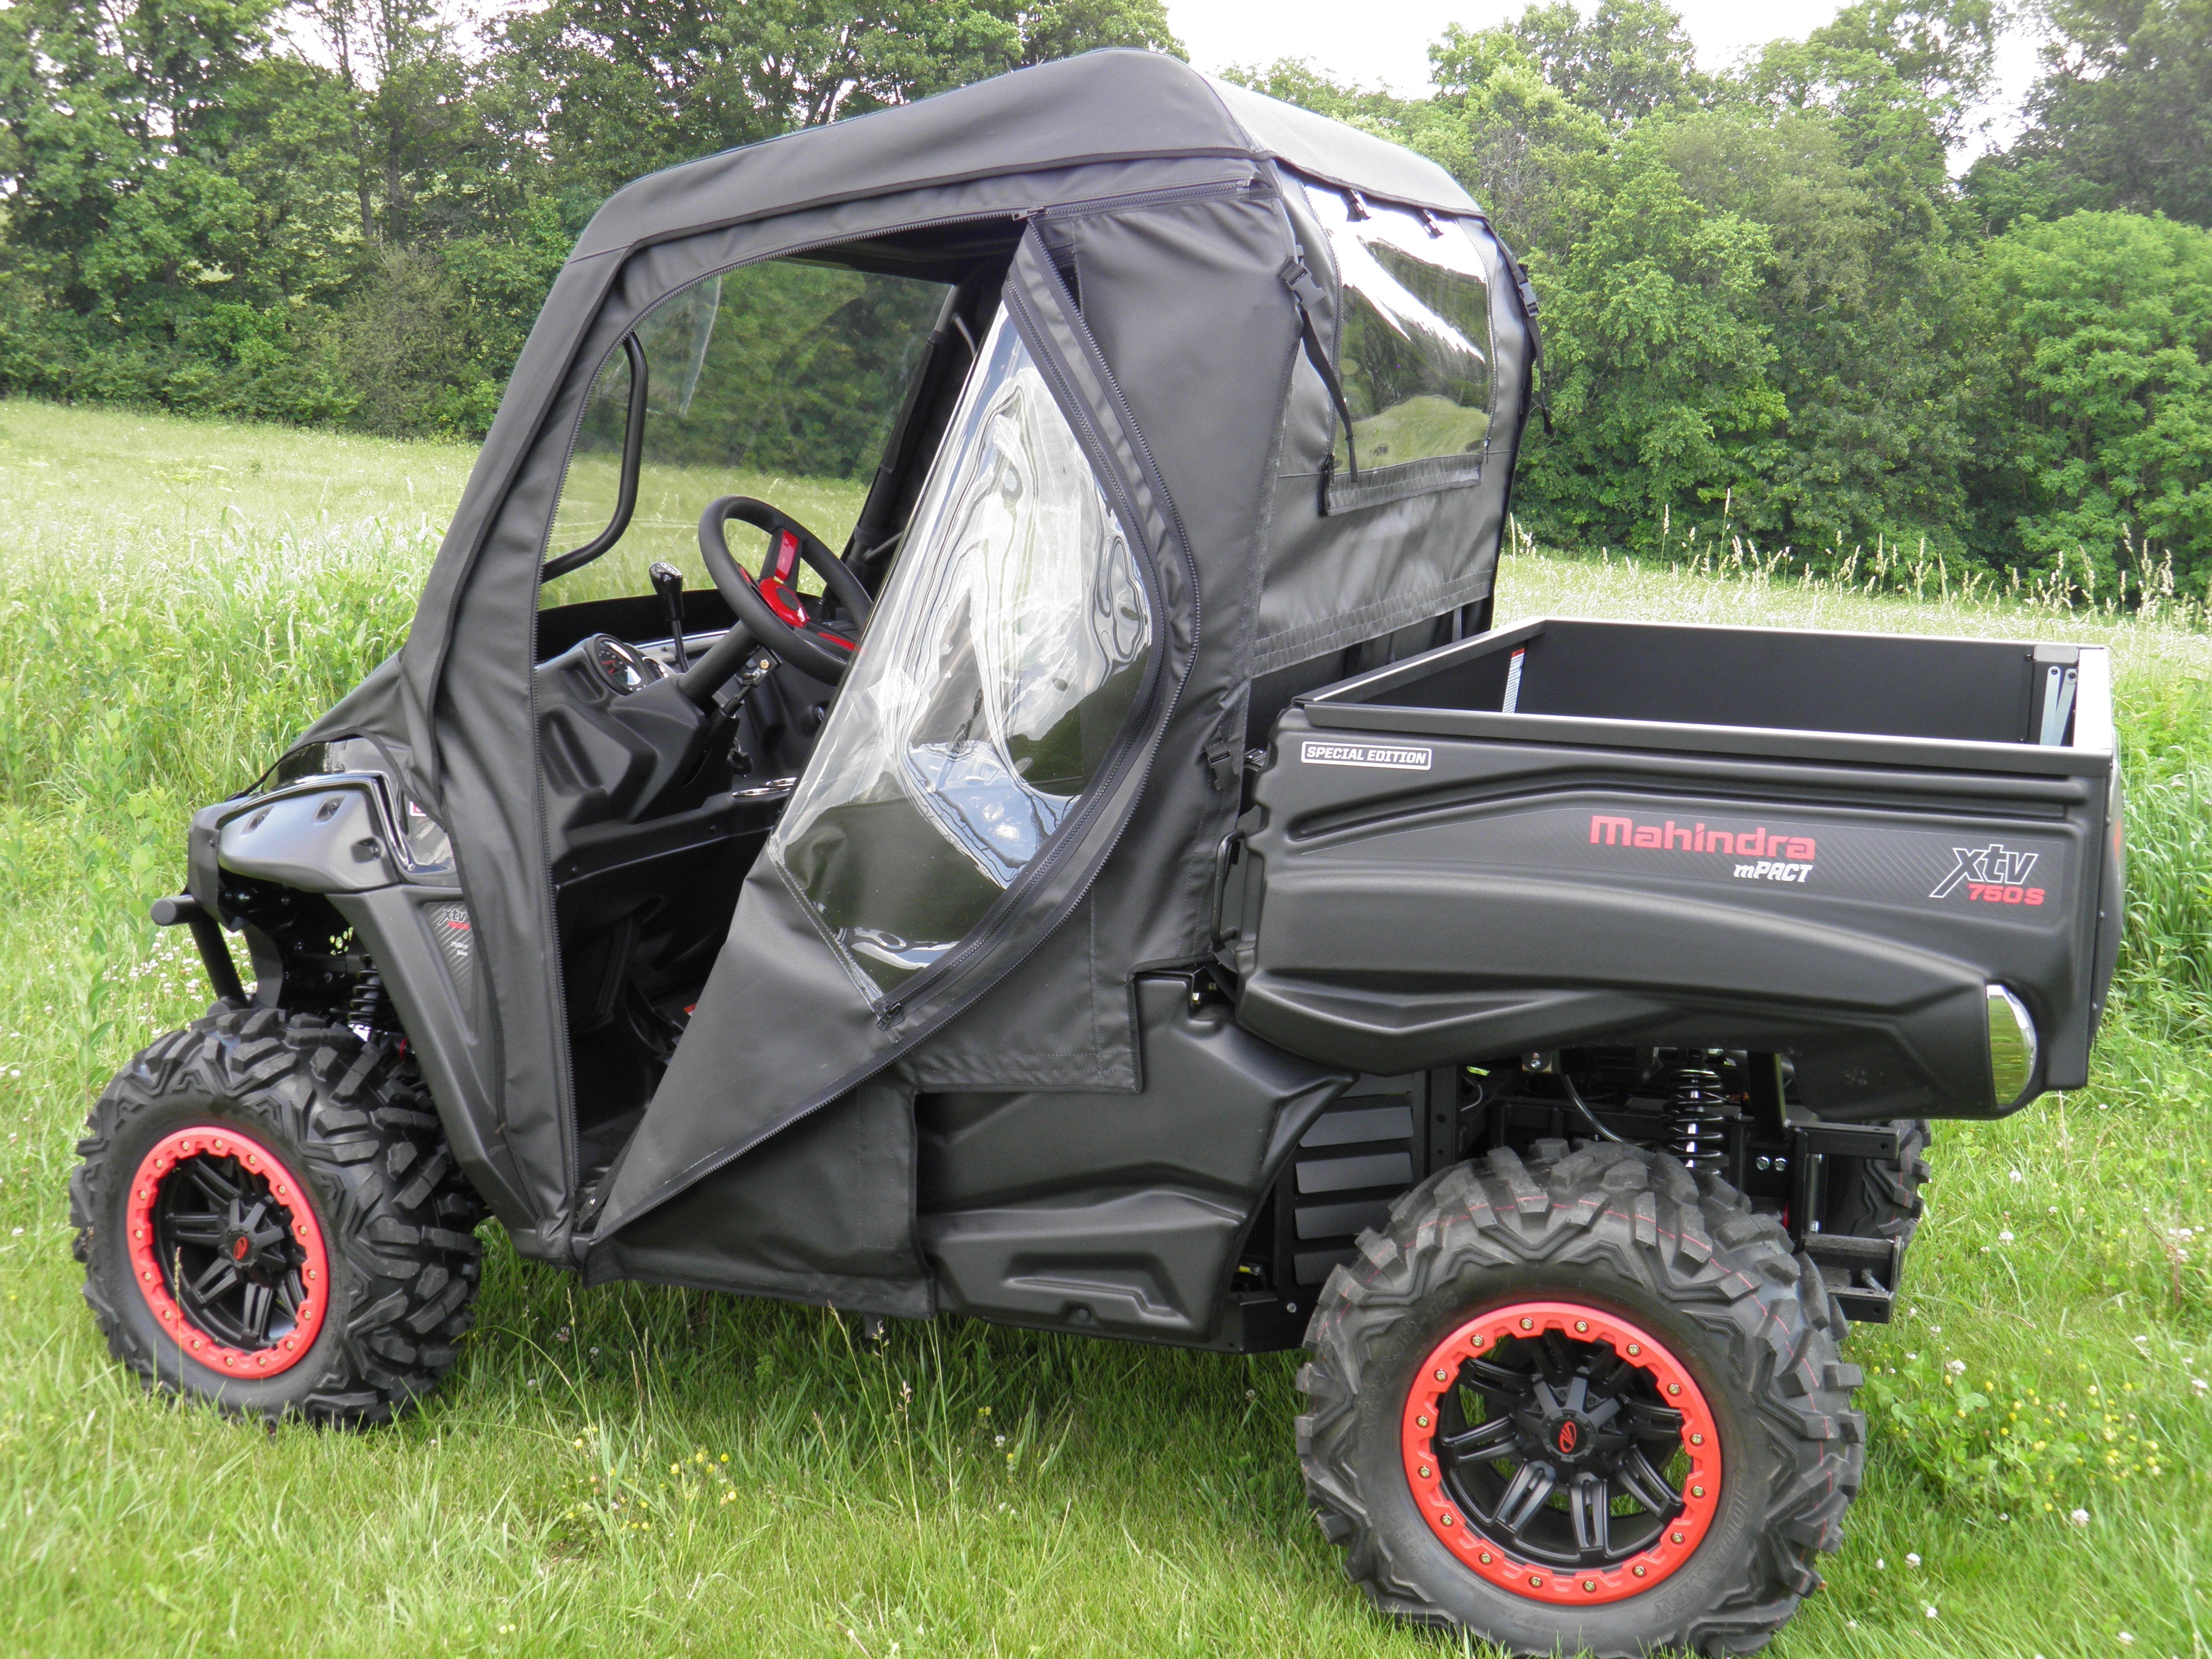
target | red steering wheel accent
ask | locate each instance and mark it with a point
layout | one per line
(775, 580)
(769, 605)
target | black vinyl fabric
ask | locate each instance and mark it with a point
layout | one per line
(1157, 211)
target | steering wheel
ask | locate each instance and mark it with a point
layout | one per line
(770, 606)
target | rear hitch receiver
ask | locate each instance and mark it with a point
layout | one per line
(1865, 1282)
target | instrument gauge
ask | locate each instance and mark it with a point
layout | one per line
(622, 665)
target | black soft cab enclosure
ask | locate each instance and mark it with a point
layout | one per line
(1097, 868)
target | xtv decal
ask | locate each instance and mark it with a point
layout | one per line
(1994, 874)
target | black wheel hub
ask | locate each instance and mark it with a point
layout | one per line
(1560, 1451)
(228, 1248)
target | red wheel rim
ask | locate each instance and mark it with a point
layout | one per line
(1521, 1542)
(229, 1199)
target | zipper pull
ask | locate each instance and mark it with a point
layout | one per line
(890, 1014)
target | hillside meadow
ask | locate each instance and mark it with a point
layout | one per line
(624, 1471)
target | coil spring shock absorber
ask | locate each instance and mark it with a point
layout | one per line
(1694, 1134)
(369, 1009)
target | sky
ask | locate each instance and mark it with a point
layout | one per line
(1385, 42)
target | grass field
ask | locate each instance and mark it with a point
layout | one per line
(630, 1472)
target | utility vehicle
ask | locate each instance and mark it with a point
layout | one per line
(1103, 872)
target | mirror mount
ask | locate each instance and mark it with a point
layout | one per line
(633, 454)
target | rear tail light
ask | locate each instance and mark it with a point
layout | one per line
(2012, 1046)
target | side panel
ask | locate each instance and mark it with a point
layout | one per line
(1422, 903)
(1117, 1213)
(424, 943)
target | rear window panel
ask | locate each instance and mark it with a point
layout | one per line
(1414, 348)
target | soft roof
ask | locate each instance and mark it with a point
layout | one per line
(1117, 106)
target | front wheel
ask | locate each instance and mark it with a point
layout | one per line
(1586, 1403)
(269, 1218)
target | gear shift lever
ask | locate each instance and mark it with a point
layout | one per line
(668, 582)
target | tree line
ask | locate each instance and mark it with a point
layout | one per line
(1769, 310)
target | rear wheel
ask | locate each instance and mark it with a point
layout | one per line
(1880, 1197)
(1585, 1403)
(269, 1218)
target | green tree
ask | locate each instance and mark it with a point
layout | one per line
(2104, 441)
(1627, 60)
(1507, 133)
(168, 201)
(1659, 361)
(2120, 117)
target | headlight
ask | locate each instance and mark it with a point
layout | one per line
(419, 840)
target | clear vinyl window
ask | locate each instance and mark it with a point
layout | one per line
(779, 379)
(1002, 660)
(1414, 348)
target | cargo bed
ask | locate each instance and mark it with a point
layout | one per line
(1834, 847)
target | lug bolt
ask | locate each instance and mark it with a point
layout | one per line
(1639, 1570)
(1697, 1440)
(1676, 1537)
(1421, 1422)
(1443, 1376)
(1477, 1342)
(1674, 1388)
(1425, 1472)
(1445, 1519)
(1487, 1558)
(1581, 1324)
(1697, 1492)
(1634, 1350)
(1591, 1585)
(1528, 1324)
(1535, 1582)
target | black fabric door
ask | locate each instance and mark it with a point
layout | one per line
(982, 762)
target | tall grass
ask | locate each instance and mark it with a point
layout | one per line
(627, 1471)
